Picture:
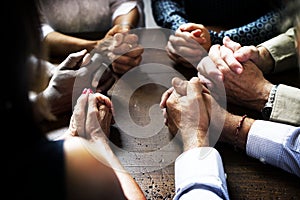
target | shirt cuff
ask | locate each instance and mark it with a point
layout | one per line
(266, 140)
(200, 168)
(286, 107)
(46, 29)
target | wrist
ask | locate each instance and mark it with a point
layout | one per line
(125, 25)
(267, 63)
(264, 96)
(267, 109)
(235, 131)
(194, 139)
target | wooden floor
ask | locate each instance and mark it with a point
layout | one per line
(148, 151)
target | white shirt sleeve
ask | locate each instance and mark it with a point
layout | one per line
(46, 29)
(199, 172)
(276, 144)
(126, 7)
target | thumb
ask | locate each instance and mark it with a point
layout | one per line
(179, 86)
(194, 87)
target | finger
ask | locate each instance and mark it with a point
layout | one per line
(215, 56)
(231, 63)
(205, 81)
(165, 97)
(246, 53)
(194, 87)
(74, 60)
(122, 48)
(208, 68)
(190, 27)
(102, 99)
(170, 48)
(79, 113)
(179, 86)
(199, 36)
(118, 39)
(120, 68)
(131, 38)
(234, 46)
(92, 120)
(135, 52)
(86, 59)
(184, 39)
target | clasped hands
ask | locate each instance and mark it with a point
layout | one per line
(240, 70)
(187, 110)
(92, 117)
(189, 44)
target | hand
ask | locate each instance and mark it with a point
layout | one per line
(238, 54)
(249, 88)
(92, 116)
(125, 52)
(60, 88)
(187, 107)
(76, 72)
(118, 28)
(199, 32)
(185, 46)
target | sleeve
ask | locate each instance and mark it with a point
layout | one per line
(283, 50)
(275, 144)
(169, 13)
(253, 33)
(45, 27)
(123, 7)
(286, 107)
(199, 172)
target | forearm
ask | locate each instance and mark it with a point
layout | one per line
(266, 62)
(60, 45)
(130, 187)
(169, 13)
(233, 136)
(130, 19)
(250, 34)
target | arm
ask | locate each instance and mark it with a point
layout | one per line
(169, 13)
(93, 170)
(61, 45)
(273, 143)
(203, 177)
(266, 24)
(286, 107)
(199, 170)
(282, 50)
(126, 16)
(132, 11)
(274, 55)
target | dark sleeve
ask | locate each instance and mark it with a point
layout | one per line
(49, 174)
(169, 13)
(253, 33)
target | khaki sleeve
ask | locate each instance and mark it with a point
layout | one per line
(283, 50)
(286, 107)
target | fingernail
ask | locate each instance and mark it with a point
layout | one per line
(90, 91)
(239, 70)
(84, 91)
